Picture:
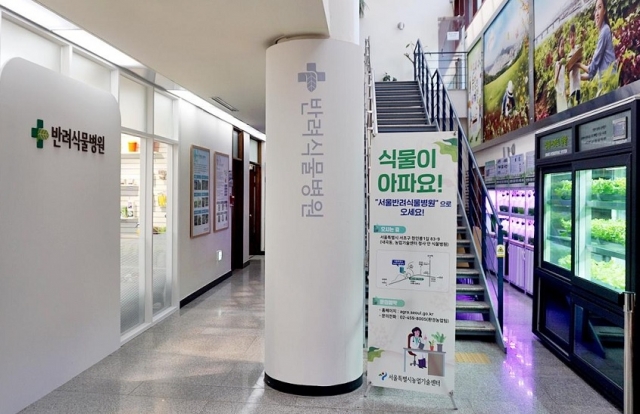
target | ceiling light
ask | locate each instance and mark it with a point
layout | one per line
(223, 103)
(38, 14)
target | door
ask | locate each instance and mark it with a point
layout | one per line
(237, 227)
(255, 210)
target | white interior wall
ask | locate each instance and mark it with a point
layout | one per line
(521, 144)
(388, 42)
(17, 41)
(59, 250)
(198, 264)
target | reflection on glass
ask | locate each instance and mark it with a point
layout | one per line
(556, 310)
(601, 223)
(557, 219)
(161, 242)
(132, 285)
(599, 342)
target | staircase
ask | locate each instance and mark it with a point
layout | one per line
(400, 108)
(475, 316)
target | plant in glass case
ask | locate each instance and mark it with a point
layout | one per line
(562, 189)
(613, 231)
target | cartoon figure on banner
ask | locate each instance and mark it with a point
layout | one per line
(508, 101)
(415, 342)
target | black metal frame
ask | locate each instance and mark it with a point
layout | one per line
(579, 291)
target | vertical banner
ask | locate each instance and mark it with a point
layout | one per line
(221, 191)
(412, 280)
(200, 174)
(474, 63)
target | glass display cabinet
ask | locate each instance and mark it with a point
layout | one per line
(585, 252)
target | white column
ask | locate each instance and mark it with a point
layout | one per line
(314, 217)
(344, 20)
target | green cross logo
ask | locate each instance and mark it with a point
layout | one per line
(39, 133)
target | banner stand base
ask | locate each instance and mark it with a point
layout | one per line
(369, 385)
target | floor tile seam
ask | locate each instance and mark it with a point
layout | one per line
(148, 352)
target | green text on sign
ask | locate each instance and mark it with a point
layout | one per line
(398, 303)
(381, 228)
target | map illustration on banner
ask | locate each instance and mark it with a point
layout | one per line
(412, 268)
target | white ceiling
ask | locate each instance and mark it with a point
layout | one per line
(210, 47)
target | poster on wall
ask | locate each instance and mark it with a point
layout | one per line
(200, 174)
(582, 50)
(474, 100)
(506, 71)
(221, 191)
(412, 288)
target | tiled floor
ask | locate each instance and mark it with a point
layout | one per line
(208, 358)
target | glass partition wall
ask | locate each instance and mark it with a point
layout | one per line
(145, 230)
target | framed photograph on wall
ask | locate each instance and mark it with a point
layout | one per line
(221, 191)
(200, 194)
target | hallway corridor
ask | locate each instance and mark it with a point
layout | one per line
(208, 358)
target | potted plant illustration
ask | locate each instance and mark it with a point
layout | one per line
(431, 345)
(439, 338)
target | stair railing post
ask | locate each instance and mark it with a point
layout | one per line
(500, 277)
(483, 229)
(471, 192)
(450, 116)
(460, 166)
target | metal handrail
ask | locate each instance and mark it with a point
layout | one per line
(441, 112)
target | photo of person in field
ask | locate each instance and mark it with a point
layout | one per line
(506, 71)
(602, 52)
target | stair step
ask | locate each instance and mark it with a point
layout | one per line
(468, 306)
(467, 273)
(400, 102)
(400, 110)
(469, 289)
(467, 257)
(393, 129)
(394, 96)
(463, 241)
(401, 84)
(465, 327)
(461, 229)
(403, 122)
(402, 115)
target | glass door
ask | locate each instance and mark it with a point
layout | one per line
(161, 234)
(556, 219)
(601, 228)
(132, 280)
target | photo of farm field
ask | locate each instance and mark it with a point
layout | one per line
(506, 71)
(474, 95)
(553, 37)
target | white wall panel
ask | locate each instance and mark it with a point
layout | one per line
(59, 250)
(90, 72)
(20, 42)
